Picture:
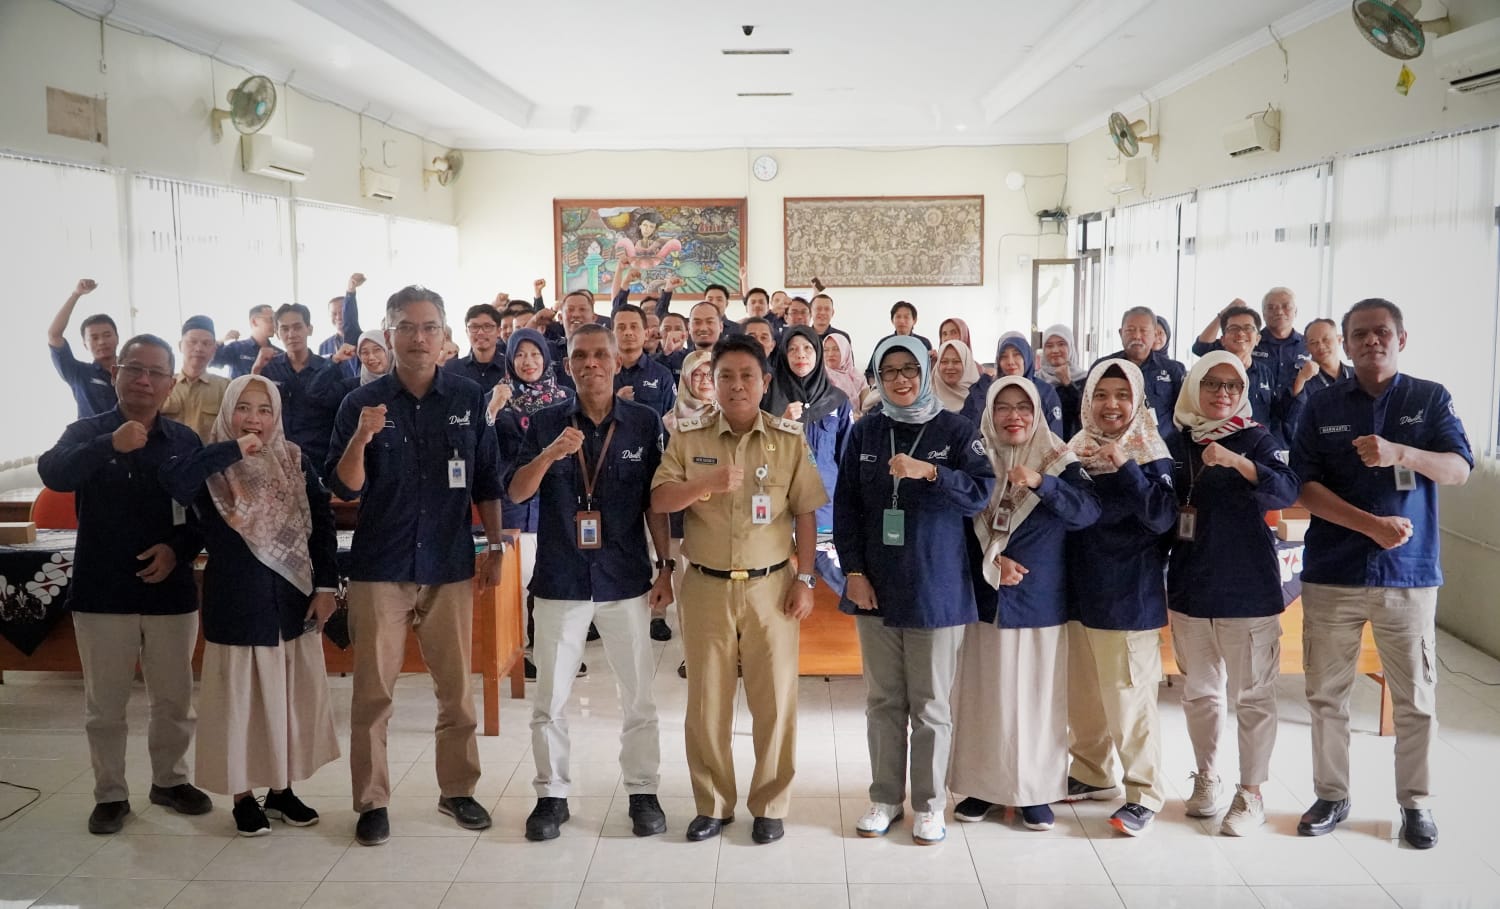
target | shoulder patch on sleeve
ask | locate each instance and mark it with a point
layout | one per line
(1282, 455)
(978, 446)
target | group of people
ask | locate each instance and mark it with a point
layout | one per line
(1010, 545)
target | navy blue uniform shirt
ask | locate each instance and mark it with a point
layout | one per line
(1283, 356)
(621, 568)
(653, 384)
(924, 583)
(509, 434)
(1116, 566)
(92, 386)
(239, 356)
(1411, 412)
(413, 527)
(488, 375)
(348, 334)
(306, 416)
(1229, 570)
(673, 360)
(123, 510)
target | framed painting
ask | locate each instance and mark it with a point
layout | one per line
(885, 241)
(697, 242)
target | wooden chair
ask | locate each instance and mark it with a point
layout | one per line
(53, 510)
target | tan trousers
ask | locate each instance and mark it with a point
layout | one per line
(1237, 659)
(1113, 723)
(740, 623)
(109, 647)
(1403, 622)
(379, 615)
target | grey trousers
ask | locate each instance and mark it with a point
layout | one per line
(1234, 660)
(909, 675)
(1404, 624)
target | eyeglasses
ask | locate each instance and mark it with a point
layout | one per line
(1024, 409)
(909, 371)
(1240, 330)
(1214, 386)
(132, 372)
(410, 329)
(483, 328)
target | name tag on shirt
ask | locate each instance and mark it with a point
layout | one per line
(760, 509)
(458, 474)
(179, 514)
(1406, 479)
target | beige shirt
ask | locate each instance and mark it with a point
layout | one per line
(717, 530)
(195, 402)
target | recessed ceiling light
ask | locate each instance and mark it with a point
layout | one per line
(756, 52)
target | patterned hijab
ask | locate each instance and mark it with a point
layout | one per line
(531, 397)
(846, 378)
(689, 406)
(815, 390)
(378, 337)
(1043, 452)
(926, 406)
(263, 498)
(1046, 371)
(1140, 441)
(953, 397)
(1188, 415)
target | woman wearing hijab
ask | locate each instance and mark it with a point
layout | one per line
(1013, 357)
(331, 385)
(1224, 581)
(955, 330)
(1010, 713)
(1163, 334)
(912, 476)
(800, 390)
(264, 717)
(695, 400)
(1061, 367)
(1117, 598)
(955, 373)
(838, 359)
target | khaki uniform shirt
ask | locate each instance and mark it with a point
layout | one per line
(195, 402)
(717, 530)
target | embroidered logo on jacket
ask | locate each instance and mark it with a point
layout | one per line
(633, 455)
(1414, 418)
(456, 420)
(940, 454)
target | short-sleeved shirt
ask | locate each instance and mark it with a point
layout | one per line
(1410, 411)
(718, 532)
(194, 402)
(92, 386)
(653, 384)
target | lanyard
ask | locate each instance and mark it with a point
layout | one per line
(591, 480)
(896, 481)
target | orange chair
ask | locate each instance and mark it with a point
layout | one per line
(54, 510)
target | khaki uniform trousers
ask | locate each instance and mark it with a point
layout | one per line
(1237, 660)
(1113, 723)
(379, 615)
(726, 624)
(1404, 624)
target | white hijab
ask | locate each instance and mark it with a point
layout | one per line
(1188, 414)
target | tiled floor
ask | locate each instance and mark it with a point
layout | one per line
(161, 859)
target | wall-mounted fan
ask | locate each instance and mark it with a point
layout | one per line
(445, 168)
(251, 104)
(1128, 135)
(1390, 25)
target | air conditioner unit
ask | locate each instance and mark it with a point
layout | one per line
(1128, 176)
(1469, 59)
(1259, 132)
(272, 156)
(374, 184)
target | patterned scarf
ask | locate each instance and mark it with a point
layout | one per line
(689, 406)
(1140, 441)
(531, 397)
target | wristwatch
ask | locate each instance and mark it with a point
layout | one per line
(668, 564)
(811, 580)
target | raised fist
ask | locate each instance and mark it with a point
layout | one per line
(131, 436)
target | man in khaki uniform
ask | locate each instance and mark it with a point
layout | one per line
(747, 481)
(196, 396)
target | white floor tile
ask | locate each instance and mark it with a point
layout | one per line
(497, 860)
(919, 896)
(781, 896)
(365, 895)
(243, 895)
(1325, 897)
(94, 893)
(165, 857)
(404, 858)
(646, 896)
(1038, 896)
(518, 895)
(1444, 896)
(797, 860)
(620, 860)
(896, 859)
(273, 858)
(1061, 861)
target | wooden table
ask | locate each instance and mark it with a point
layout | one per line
(830, 642)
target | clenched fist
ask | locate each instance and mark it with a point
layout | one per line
(539, 285)
(725, 479)
(355, 280)
(266, 355)
(371, 421)
(250, 444)
(566, 443)
(345, 352)
(85, 286)
(131, 436)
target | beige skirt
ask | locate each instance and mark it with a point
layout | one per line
(1010, 716)
(264, 717)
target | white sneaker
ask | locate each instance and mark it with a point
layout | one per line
(1247, 814)
(1204, 802)
(878, 819)
(928, 828)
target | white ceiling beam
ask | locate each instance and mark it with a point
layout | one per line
(388, 29)
(1084, 28)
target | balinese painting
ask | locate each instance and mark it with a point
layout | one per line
(684, 244)
(891, 241)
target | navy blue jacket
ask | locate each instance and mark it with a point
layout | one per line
(412, 527)
(653, 384)
(329, 387)
(1115, 567)
(348, 334)
(1230, 569)
(1068, 502)
(92, 386)
(239, 356)
(621, 568)
(245, 603)
(306, 417)
(123, 510)
(973, 409)
(1272, 406)
(1411, 412)
(509, 435)
(673, 361)
(1314, 385)
(1164, 377)
(1070, 397)
(488, 375)
(826, 438)
(925, 583)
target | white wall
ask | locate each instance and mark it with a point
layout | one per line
(504, 213)
(159, 101)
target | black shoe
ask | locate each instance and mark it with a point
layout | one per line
(108, 817)
(1079, 791)
(704, 827)
(249, 820)
(469, 813)
(593, 633)
(660, 630)
(1418, 828)
(682, 669)
(1322, 817)
(529, 669)
(646, 816)
(374, 827)
(972, 810)
(184, 798)
(583, 671)
(284, 806)
(546, 819)
(767, 830)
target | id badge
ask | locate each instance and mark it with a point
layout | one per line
(893, 527)
(1406, 479)
(1001, 521)
(760, 509)
(458, 474)
(179, 514)
(586, 525)
(1187, 523)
